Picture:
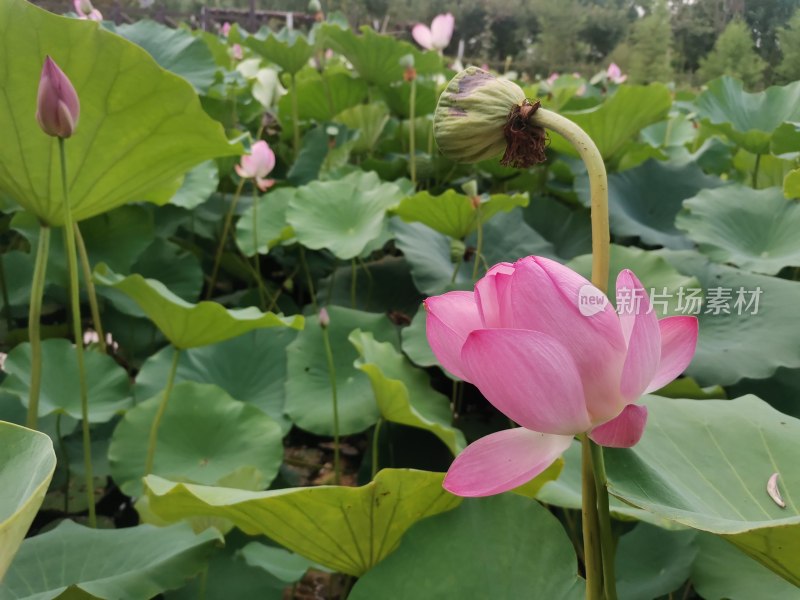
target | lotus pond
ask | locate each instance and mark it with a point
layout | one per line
(315, 313)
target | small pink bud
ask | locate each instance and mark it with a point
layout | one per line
(57, 105)
(324, 318)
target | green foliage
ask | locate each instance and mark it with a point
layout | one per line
(734, 54)
(789, 41)
(650, 47)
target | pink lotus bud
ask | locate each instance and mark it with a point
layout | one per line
(236, 52)
(85, 10)
(226, 29)
(324, 318)
(257, 165)
(552, 79)
(614, 74)
(57, 105)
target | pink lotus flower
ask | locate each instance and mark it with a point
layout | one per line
(225, 29)
(257, 165)
(57, 104)
(85, 10)
(236, 52)
(556, 367)
(552, 79)
(438, 36)
(614, 74)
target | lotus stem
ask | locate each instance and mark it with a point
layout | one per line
(309, 281)
(337, 469)
(296, 118)
(479, 249)
(75, 303)
(35, 326)
(598, 540)
(90, 289)
(223, 238)
(353, 282)
(256, 257)
(412, 132)
(375, 446)
(152, 441)
(6, 301)
(756, 168)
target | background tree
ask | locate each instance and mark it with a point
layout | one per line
(650, 47)
(734, 54)
(558, 46)
(789, 42)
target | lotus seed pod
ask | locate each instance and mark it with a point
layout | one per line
(471, 114)
(480, 116)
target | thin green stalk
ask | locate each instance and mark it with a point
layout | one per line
(370, 282)
(412, 132)
(75, 303)
(63, 446)
(6, 301)
(755, 171)
(353, 282)
(337, 469)
(455, 271)
(375, 452)
(35, 326)
(604, 520)
(90, 290)
(309, 281)
(591, 540)
(479, 249)
(152, 441)
(256, 257)
(295, 118)
(223, 238)
(598, 186)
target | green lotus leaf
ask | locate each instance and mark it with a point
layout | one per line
(108, 385)
(322, 97)
(706, 465)
(454, 214)
(644, 201)
(499, 547)
(369, 120)
(343, 216)
(308, 388)
(205, 436)
(791, 184)
(614, 124)
(189, 325)
(403, 393)
(289, 49)
(175, 50)
(263, 226)
(376, 57)
(250, 368)
(27, 464)
(140, 127)
(197, 186)
(753, 229)
(73, 561)
(747, 119)
(343, 528)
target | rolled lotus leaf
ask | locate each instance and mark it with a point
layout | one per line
(472, 114)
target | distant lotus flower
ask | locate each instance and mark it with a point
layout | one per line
(257, 165)
(225, 29)
(85, 10)
(614, 74)
(438, 36)
(547, 349)
(57, 104)
(552, 79)
(236, 52)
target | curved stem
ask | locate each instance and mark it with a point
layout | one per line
(75, 303)
(598, 541)
(35, 326)
(68, 475)
(375, 451)
(326, 341)
(256, 256)
(604, 519)
(6, 301)
(223, 238)
(90, 289)
(412, 132)
(152, 441)
(591, 539)
(598, 184)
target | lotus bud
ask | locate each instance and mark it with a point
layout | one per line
(457, 250)
(324, 318)
(480, 116)
(57, 105)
